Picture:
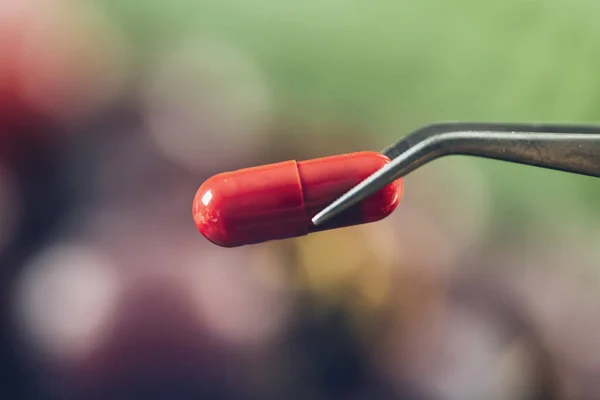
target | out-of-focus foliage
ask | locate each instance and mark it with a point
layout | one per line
(393, 66)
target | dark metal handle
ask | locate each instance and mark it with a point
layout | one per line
(573, 149)
(570, 148)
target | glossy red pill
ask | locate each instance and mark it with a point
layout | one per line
(277, 201)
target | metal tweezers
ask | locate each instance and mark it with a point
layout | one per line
(569, 148)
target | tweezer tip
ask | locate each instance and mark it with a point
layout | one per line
(339, 205)
(322, 216)
(318, 219)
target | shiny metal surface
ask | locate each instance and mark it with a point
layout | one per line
(570, 148)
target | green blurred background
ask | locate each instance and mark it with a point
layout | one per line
(393, 66)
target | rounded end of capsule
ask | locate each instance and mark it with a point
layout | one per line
(206, 211)
(395, 193)
(381, 204)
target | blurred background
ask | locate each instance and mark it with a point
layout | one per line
(484, 283)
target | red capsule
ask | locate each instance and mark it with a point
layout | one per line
(277, 201)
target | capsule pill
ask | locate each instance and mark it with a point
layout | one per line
(277, 201)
